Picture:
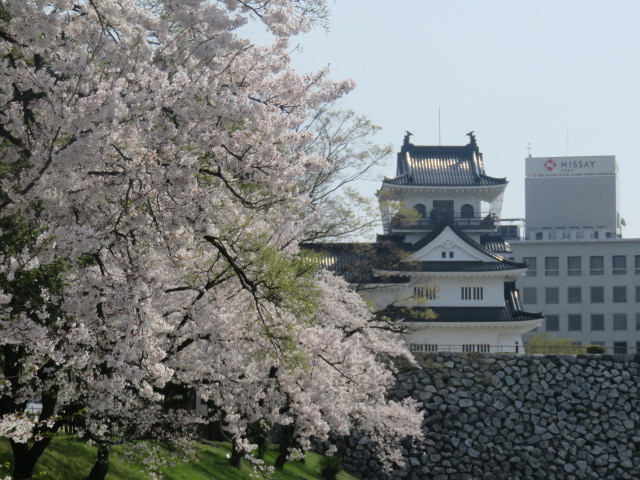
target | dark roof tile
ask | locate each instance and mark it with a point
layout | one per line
(458, 314)
(441, 166)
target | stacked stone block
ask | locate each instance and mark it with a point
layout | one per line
(517, 417)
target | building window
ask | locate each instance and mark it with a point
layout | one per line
(428, 293)
(551, 295)
(638, 322)
(619, 348)
(538, 235)
(580, 234)
(637, 264)
(619, 264)
(597, 294)
(552, 235)
(481, 348)
(551, 266)
(450, 254)
(531, 266)
(471, 293)
(421, 348)
(566, 235)
(594, 234)
(597, 322)
(574, 295)
(530, 295)
(444, 254)
(421, 209)
(552, 323)
(620, 294)
(575, 323)
(574, 266)
(637, 293)
(620, 321)
(466, 211)
(596, 265)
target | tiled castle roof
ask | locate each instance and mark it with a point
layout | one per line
(441, 166)
(357, 261)
(458, 314)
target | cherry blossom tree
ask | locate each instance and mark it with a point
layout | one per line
(151, 211)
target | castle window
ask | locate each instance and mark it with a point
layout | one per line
(422, 348)
(428, 293)
(480, 348)
(472, 293)
(421, 209)
(466, 211)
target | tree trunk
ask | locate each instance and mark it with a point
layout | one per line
(236, 456)
(285, 446)
(101, 467)
(25, 458)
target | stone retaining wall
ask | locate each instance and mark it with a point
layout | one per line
(493, 416)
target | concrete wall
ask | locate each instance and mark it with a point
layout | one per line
(517, 417)
(630, 248)
(570, 202)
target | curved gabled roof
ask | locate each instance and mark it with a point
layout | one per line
(441, 166)
(430, 237)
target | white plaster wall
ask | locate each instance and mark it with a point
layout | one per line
(453, 338)
(448, 293)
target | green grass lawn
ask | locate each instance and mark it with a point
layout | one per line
(70, 459)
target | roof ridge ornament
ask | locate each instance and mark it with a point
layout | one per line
(406, 142)
(472, 139)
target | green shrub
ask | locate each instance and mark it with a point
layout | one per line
(329, 467)
(596, 349)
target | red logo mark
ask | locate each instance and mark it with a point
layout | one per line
(549, 164)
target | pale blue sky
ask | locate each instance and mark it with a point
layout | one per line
(513, 71)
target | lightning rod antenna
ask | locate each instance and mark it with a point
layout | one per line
(439, 128)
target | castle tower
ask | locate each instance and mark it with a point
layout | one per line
(439, 269)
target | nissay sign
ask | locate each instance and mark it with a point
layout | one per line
(556, 166)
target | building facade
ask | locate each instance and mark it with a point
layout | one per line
(581, 272)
